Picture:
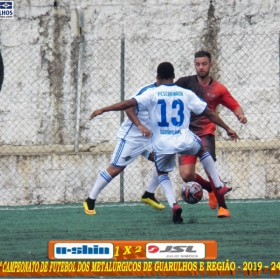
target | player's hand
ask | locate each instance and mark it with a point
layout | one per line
(241, 118)
(96, 113)
(233, 135)
(145, 131)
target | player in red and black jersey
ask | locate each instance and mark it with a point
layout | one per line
(214, 94)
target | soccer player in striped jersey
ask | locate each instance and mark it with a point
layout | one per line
(169, 108)
(133, 140)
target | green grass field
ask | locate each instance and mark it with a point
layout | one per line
(251, 234)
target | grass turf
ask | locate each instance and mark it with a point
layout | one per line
(251, 234)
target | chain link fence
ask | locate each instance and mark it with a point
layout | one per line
(51, 153)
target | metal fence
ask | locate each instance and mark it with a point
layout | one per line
(51, 153)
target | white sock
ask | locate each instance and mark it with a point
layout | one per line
(101, 182)
(153, 184)
(166, 185)
(209, 165)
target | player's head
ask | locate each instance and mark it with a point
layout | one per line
(202, 63)
(165, 71)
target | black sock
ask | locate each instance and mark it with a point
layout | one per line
(148, 195)
(91, 203)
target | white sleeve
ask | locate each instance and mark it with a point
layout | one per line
(196, 104)
(143, 101)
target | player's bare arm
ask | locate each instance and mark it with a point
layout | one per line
(120, 106)
(214, 117)
(239, 113)
(133, 117)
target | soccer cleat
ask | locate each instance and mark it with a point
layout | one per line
(89, 206)
(176, 212)
(223, 190)
(149, 198)
(212, 200)
(223, 213)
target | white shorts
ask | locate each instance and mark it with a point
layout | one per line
(126, 152)
(166, 162)
(196, 146)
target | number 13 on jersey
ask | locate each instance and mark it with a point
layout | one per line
(167, 113)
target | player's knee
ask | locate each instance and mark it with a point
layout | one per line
(187, 177)
(114, 171)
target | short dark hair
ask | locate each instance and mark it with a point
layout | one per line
(202, 54)
(165, 71)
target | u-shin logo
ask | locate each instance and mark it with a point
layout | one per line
(85, 250)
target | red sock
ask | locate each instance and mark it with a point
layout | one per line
(204, 184)
(220, 198)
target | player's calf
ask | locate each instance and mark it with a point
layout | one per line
(223, 190)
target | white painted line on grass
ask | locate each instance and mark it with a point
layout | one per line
(105, 205)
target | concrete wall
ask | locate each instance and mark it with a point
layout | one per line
(46, 21)
(38, 98)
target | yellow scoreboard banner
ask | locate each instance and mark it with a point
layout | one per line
(144, 258)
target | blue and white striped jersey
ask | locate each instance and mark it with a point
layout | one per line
(169, 108)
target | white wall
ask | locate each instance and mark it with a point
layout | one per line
(45, 32)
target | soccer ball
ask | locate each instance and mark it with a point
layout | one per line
(192, 192)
